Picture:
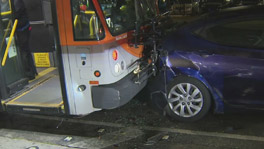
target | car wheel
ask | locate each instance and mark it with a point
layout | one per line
(188, 99)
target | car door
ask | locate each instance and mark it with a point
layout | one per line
(238, 60)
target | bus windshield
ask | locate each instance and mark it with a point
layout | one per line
(121, 17)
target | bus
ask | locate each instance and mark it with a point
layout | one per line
(98, 60)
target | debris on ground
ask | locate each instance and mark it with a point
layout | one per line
(33, 147)
(101, 130)
(68, 139)
(154, 139)
(60, 123)
(166, 137)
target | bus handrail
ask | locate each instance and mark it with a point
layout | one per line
(6, 13)
(76, 18)
(89, 12)
(9, 42)
(91, 25)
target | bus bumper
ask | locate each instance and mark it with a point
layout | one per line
(117, 94)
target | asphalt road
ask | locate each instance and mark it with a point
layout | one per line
(134, 125)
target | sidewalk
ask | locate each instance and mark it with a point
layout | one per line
(13, 143)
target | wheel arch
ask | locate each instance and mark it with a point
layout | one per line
(215, 94)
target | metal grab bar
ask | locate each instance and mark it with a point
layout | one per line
(89, 12)
(6, 13)
(9, 42)
(76, 20)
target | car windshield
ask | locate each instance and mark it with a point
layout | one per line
(120, 15)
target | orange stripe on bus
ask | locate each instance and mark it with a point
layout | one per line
(94, 82)
(61, 22)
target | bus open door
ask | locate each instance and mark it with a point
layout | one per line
(11, 72)
(97, 67)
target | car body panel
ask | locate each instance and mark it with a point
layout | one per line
(233, 75)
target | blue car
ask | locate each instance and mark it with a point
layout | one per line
(215, 61)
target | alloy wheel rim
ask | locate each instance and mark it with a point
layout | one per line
(185, 100)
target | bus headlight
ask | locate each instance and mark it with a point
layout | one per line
(117, 68)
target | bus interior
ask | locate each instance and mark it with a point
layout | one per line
(43, 93)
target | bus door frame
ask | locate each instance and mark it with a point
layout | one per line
(55, 7)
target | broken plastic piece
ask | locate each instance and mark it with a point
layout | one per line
(166, 137)
(68, 139)
(101, 130)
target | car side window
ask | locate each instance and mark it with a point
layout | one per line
(245, 34)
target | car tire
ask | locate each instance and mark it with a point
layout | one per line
(188, 99)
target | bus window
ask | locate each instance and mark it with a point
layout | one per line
(119, 15)
(86, 24)
(5, 7)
